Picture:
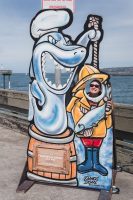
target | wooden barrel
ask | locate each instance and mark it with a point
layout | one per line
(54, 160)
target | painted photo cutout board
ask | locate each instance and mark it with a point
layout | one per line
(70, 105)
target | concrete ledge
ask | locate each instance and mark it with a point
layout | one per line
(14, 115)
(18, 101)
(14, 98)
(123, 114)
(16, 122)
(125, 158)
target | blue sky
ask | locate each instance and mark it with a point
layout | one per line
(116, 47)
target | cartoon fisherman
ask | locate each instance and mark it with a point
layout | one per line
(91, 111)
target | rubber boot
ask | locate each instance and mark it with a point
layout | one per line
(86, 166)
(96, 165)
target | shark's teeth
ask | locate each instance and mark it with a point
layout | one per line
(43, 70)
(44, 73)
(64, 85)
(45, 58)
(71, 69)
(44, 55)
(59, 86)
(54, 86)
(60, 66)
(43, 64)
(50, 83)
(56, 64)
(68, 69)
(51, 57)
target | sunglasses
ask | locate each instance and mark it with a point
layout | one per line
(93, 85)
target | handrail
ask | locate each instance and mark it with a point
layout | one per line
(124, 144)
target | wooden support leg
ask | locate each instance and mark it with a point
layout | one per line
(115, 189)
(114, 177)
(105, 195)
(25, 184)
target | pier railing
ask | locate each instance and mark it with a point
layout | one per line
(5, 73)
(14, 112)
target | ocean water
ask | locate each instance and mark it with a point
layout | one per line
(122, 86)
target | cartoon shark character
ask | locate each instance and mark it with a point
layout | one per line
(53, 50)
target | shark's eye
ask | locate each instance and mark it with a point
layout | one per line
(52, 40)
(68, 42)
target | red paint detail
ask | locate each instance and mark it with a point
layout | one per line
(87, 142)
(55, 7)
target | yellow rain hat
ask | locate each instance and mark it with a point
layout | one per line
(89, 73)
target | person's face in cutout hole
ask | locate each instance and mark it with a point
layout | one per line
(95, 88)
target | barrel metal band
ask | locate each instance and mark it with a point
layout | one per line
(33, 177)
(51, 140)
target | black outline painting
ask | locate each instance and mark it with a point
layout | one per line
(70, 122)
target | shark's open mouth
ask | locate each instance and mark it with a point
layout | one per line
(60, 75)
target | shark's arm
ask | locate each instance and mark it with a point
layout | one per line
(31, 109)
(70, 120)
(37, 93)
(73, 112)
(88, 36)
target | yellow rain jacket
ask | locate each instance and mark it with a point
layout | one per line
(79, 106)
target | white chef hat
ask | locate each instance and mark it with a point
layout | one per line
(48, 20)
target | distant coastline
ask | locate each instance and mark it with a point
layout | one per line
(119, 71)
(115, 71)
(122, 85)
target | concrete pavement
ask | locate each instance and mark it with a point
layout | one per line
(13, 147)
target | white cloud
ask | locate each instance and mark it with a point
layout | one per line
(116, 47)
